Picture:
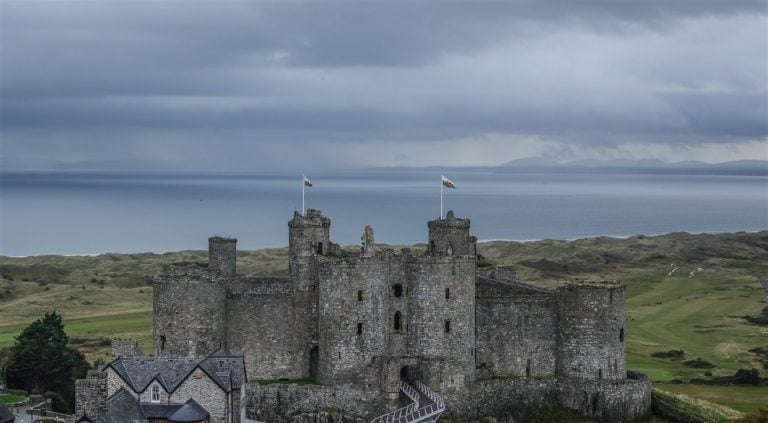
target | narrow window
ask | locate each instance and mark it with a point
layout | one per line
(397, 320)
(600, 373)
(320, 247)
(398, 290)
(155, 394)
(432, 247)
(359, 295)
(359, 328)
(162, 342)
(339, 355)
(447, 293)
(621, 335)
(447, 326)
(528, 369)
(314, 288)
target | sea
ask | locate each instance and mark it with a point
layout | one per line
(94, 213)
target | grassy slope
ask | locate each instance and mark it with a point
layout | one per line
(699, 314)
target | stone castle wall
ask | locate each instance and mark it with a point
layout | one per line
(91, 394)
(353, 323)
(515, 330)
(259, 324)
(189, 312)
(591, 319)
(441, 320)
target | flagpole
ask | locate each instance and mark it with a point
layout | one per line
(303, 184)
(441, 197)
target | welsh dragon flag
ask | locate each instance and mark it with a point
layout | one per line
(307, 182)
(447, 182)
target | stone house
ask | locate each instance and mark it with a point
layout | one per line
(164, 389)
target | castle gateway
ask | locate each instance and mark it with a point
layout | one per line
(363, 325)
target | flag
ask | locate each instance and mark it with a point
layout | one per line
(307, 182)
(447, 182)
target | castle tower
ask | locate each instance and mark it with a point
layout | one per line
(590, 337)
(189, 318)
(308, 234)
(222, 256)
(308, 239)
(450, 237)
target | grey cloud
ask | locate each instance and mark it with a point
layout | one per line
(282, 75)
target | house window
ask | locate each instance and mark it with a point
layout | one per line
(447, 326)
(447, 293)
(359, 295)
(397, 320)
(359, 328)
(155, 395)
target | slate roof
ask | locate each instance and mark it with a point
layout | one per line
(5, 414)
(191, 411)
(122, 406)
(228, 371)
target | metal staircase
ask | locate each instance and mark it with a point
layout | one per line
(425, 406)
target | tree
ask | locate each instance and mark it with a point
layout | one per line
(42, 361)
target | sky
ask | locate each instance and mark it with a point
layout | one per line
(281, 86)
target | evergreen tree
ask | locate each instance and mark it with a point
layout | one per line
(42, 361)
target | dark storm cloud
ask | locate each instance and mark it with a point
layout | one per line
(115, 80)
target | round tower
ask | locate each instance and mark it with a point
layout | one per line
(222, 256)
(450, 237)
(189, 313)
(308, 234)
(590, 338)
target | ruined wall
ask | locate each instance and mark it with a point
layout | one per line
(91, 394)
(613, 401)
(283, 402)
(610, 401)
(125, 348)
(189, 312)
(590, 334)
(261, 325)
(441, 325)
(516, 325)
(353, 324)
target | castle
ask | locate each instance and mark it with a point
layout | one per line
(362, 322)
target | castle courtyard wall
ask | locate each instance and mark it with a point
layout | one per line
(260, 324)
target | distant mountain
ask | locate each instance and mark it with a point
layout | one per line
(536, 164)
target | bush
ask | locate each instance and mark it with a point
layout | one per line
(671, 354)
(699, 364)
(57, 402)
(746, 377)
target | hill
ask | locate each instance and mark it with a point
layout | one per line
(687, 296)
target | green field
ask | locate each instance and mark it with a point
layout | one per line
(111, 296)
(11, 398)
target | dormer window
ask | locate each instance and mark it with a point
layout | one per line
(155, 394)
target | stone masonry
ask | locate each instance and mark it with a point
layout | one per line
(360, 322)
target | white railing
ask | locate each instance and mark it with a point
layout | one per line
(412, 413)
(398, 414)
